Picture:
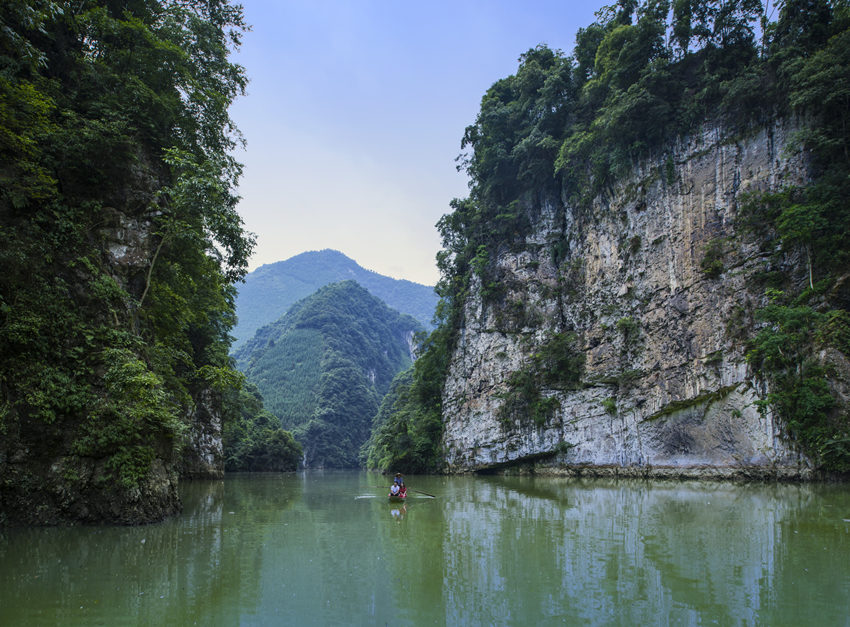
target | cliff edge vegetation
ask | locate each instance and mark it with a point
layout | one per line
(570, 136)
(119, 246)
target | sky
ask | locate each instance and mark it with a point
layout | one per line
(355, 112)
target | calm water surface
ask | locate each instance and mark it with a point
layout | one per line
(327, 549)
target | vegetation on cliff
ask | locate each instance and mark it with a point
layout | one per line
(406, 430)
(556, 365)
(252, 437)
(324, 366)
(644, 73)
(119, 243)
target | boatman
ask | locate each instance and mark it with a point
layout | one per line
(399, 481)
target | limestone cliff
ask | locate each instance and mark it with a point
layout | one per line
(652, 279)
(203, 457)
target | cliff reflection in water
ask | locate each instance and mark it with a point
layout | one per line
(202, 567)
(327, 548)
(630, 552)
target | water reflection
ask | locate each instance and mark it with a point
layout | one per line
(398, 512)
(200, 568)
(327, 548)
(629, 552)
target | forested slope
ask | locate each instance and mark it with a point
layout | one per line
(325, 365)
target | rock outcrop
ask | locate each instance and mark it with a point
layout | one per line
(654, 281)
(203, 457)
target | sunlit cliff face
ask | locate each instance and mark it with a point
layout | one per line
(653, 282)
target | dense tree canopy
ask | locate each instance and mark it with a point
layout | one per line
(119, 237)
(253, 438)
(324, 366)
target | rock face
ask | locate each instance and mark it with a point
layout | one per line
(652, 279)
(44, 490)
(203, 457)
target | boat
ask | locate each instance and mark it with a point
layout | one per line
(401, 497)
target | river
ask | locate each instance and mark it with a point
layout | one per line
(327, 549)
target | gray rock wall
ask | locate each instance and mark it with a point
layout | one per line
(666, 389)
(203, 457)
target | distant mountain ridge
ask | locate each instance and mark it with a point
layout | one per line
(324, 366)
(270, 290)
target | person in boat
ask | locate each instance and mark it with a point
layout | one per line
(398, 488)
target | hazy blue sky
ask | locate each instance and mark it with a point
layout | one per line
(355, 113)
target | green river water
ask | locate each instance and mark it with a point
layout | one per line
(327, 549)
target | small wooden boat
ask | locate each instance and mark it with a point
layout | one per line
(401, 497)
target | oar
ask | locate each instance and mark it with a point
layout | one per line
(421, 492)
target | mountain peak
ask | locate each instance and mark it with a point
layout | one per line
(270, 290)
(323, 366)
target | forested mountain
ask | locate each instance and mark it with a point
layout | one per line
(270, 290)
(252, 437)
(119, 246)
(403, 435)
(325, 365)
(657, 234)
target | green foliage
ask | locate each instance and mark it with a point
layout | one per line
(808, 225)
(712, 260)
(669, 170)
(324, 366)
(523, 400)
(559, 362)
(562, 448)
(405, 432)
(784, 351)
(557, 365)
(253, 438)
(131, 422)
(480, 261)
(630, 329)
(610, 405)
(339, 425)
(288, 373)
(114, 133)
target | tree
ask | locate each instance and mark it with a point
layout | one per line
(253, 438)
(119, 239)
(682, 26)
